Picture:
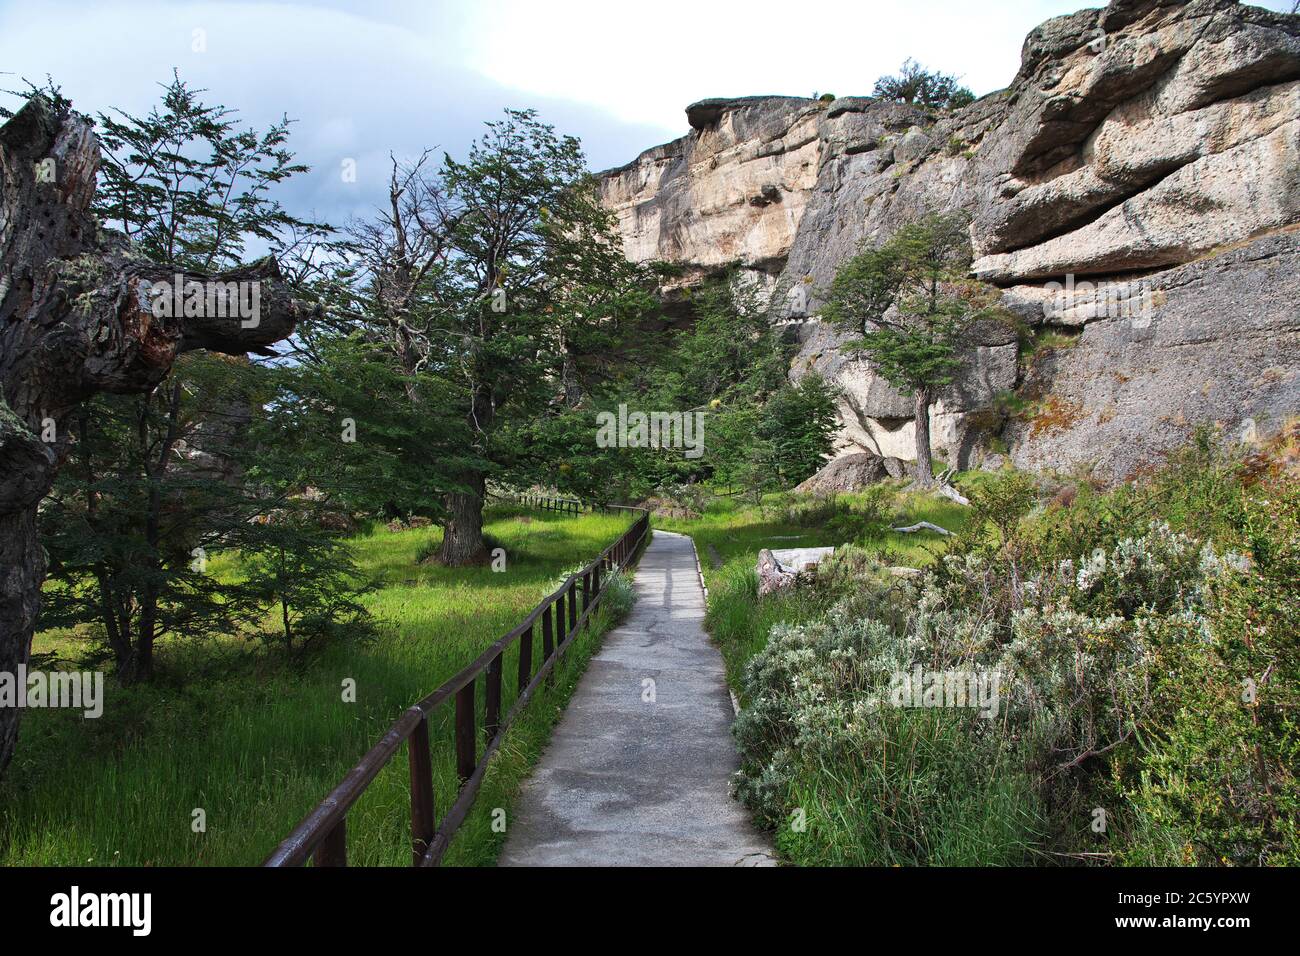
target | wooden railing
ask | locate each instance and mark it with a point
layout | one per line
(572, 506)
(322, 835)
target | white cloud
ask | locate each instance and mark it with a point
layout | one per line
(646, 62)
(367, 78)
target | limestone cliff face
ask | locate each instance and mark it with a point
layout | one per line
(1135, 190)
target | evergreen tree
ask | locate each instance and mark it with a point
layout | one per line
(798, 423)
(155, 483)
(910, 301)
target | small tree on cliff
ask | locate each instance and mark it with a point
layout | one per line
(910, 301)
(928, 88)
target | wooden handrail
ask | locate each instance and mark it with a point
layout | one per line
(322, 834)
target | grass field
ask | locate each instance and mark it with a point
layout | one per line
(734, 532)
(255, 741)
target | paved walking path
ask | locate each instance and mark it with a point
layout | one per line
(628, 782)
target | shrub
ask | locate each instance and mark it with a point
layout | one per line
(872, 783)
(859, 517)
(927, 88)
(1216, 780)
(1152, 673)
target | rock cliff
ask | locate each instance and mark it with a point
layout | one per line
(1135, 191)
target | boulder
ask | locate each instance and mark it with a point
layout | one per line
(778, 569)
(771, 576)
(849, 473)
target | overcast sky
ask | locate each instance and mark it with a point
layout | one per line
(366, 78)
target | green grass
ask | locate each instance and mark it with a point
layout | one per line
(256, 741)
(737, 620)
(923, 797)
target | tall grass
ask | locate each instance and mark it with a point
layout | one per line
(922, 797)
(255, 741)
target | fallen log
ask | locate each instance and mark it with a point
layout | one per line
(948, 491)
(923, 526)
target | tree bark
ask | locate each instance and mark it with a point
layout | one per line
(921, 420)
(462, 534)
(76, 318)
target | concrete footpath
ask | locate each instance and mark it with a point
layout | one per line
(637, 771)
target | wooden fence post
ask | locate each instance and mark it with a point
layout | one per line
(417, 747)
(333, 850)
(492, 701)
(548, 632)
(525, 658)
(465, 757)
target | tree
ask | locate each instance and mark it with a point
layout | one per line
(500, 275)
(309, 578)
(129, 523)
(726, 365)
(189, 186)
(799, 423)
(76, 321)
(910, 301)
(348, 420)
(930, 89)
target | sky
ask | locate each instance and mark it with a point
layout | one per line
(366, 79)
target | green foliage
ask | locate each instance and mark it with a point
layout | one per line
(49, 89)
(485, 304)
(861, 517)
(257, 738)
(729, 366)
(729, 354)
(310, 581)
(1145, 669)
(1216, 779)
(798, 424)
(158, 487)
(926, 88)
(188, 186)
(619, 595)
(159, 484)
(374, 438)
(910, 302)
(873, 781)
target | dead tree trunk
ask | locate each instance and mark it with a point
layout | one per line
(77, 317)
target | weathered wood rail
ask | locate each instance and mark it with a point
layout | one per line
(322, 835)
